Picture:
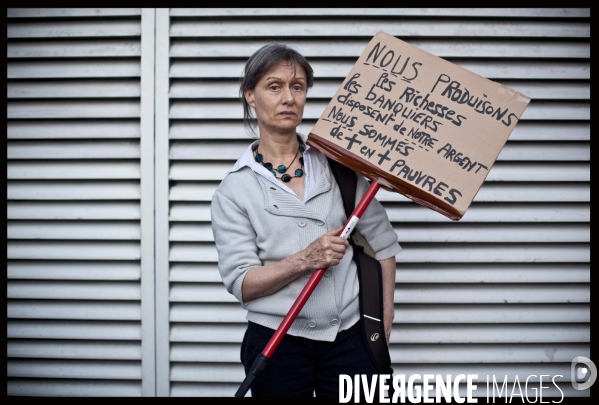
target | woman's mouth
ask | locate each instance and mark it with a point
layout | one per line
(288, 114)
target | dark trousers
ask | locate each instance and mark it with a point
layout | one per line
(302, 367)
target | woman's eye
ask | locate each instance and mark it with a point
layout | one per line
(274, 87)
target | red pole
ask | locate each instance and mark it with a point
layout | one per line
(262, 360)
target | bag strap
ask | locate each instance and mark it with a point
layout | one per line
(369, 275)
(348, 182)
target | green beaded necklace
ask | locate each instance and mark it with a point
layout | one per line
(258, 157)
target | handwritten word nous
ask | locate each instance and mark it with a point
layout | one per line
(378, 57)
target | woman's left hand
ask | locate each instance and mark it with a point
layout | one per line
(388, 316)
(388, 272)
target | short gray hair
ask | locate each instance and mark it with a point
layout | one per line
(261, 62)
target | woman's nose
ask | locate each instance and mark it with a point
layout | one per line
(288, 96)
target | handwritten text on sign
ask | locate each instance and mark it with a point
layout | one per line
(422, 119)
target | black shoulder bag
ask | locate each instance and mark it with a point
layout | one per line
(369, 276)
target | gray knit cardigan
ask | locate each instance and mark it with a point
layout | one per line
(256, 223)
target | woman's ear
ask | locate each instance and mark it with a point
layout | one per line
(249, 97)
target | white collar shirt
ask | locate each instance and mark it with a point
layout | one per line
(314, 165)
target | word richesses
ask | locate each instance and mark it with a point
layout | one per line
(389, 108)
(412, 95)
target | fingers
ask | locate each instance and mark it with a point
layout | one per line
(325, 261)
(339, 247)
(334, 246)
(334, 232)
(328, 250)
(333, 238)
(388, 326)
(322, 257)
(334, 259)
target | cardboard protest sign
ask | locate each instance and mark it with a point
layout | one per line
(418, 124)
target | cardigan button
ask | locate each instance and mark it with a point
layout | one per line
(302, 224)
(327, 274)
(319, 223)
(312, 324)
(334, 322)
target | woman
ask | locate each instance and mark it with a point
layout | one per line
(275, 218)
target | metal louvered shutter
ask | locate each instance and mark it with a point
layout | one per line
(503, 292)
(122, 122)
(80, 310)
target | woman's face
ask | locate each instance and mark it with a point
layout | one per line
(279, 98)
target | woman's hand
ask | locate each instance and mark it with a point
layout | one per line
(326, 251)
(388, 272)
(388, 315)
